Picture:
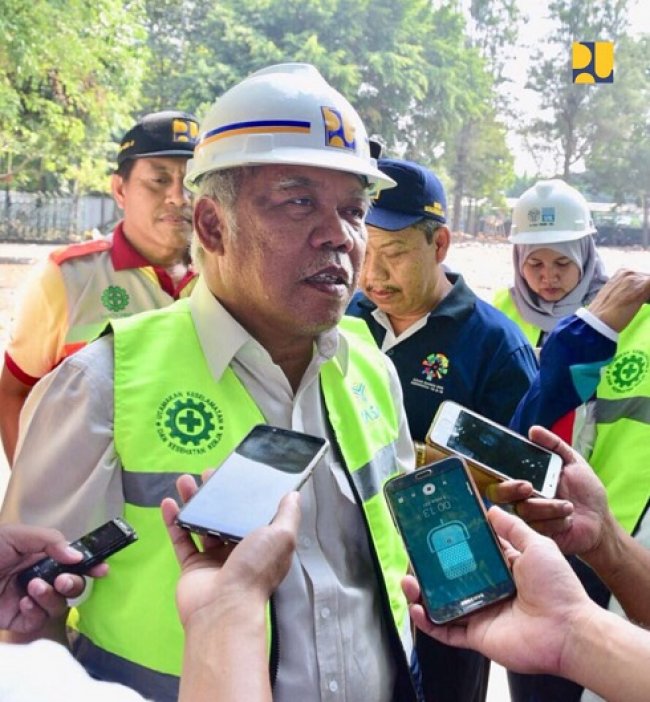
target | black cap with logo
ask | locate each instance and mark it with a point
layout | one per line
(168, 133)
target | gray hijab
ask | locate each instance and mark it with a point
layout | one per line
(546, 315)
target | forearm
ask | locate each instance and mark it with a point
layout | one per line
(609, 656)
(226, 658)
(623, 564)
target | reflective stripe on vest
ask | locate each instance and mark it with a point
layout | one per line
(172, 417)
(621, 453)
(503, 301)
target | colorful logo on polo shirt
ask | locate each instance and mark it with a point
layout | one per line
(339, 132)
(435, 366)
(627, 370)
(115, 298)
(593, 62)
(189, 423)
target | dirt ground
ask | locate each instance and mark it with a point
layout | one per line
(485, 263)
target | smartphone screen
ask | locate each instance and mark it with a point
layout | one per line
(496, 448)
(244, 492)
(454, 553)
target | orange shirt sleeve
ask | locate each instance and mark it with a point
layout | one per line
(40, 324)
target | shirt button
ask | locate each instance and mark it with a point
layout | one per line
(306, 541)
(333, 686)
(325, 612)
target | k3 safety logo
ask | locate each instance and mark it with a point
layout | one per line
(593, 62)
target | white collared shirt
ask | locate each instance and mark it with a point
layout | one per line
(331, 633)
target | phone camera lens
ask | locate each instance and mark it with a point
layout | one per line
(429, 489)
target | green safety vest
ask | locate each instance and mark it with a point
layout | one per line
(621, 453)
(503, 301)
(173, 417)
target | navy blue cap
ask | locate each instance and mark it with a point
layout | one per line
(168, 133)
(418, 195)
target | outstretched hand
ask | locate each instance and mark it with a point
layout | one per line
(20, 547)
(250, 570)
(526, 634)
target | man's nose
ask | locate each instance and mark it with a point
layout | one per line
(333, 231)
(178, 194)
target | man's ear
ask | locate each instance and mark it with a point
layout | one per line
(442, 239)
(117, 188)
(210, 224)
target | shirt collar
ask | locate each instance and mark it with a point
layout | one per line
(222, 338)
(123, 255)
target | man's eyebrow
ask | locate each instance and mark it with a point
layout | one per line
(304, 182)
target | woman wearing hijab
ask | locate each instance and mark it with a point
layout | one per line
(557, 267)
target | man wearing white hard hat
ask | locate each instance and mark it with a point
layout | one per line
(282, 177)
(556, 265)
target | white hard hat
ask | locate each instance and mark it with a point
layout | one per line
(288, 114)
(549, 212)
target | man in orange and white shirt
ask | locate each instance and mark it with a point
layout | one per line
(143, 265)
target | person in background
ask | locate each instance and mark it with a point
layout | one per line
(556, 265)
(143, 265)
(446, 344)
(282, 180)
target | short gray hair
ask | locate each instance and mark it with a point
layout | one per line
(429, 227)
(222, 187)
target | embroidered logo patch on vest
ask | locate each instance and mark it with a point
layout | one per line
(368, 411)
(627, 370)
(189, 422)
(115, 298)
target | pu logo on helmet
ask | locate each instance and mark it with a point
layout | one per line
(593, 62)
(185, 130)
(339, 132)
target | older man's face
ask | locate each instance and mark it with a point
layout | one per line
(293, 263)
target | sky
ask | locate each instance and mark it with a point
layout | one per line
(531, 37)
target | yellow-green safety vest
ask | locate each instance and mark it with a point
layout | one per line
(503, 301)
(621, 452)
(173, 417)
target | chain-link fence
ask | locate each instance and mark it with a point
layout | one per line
(49, 217)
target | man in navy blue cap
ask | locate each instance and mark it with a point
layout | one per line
(142, 265)
(446, 343)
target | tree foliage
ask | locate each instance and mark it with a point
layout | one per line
(565, 125)
(69, 77)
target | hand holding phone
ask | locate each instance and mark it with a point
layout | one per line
(95, 546)
(493, 452)
(244, 492)
(455, 555)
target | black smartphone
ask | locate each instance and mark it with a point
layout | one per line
(455, 555)
(244, 492)
(96, 547)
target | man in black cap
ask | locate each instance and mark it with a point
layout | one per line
(446, 343)
(144, 264)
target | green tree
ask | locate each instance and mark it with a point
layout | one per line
(565, 126)
(69, 79)
(619, 158)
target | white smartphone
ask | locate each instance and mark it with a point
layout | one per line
(244, 492)
(493, 452)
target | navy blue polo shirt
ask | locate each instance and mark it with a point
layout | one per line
(468, 352)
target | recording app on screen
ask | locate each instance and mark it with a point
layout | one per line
(449, 542)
